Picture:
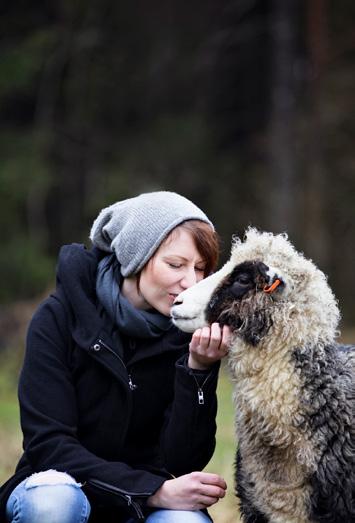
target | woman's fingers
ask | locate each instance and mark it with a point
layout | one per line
(195, 340)
(209, 478)
(208, 345)
(205, 502)
(207, 338)
(189, 492)
(212, 488)
(211, 338)
(226, 338)
(215, 337)
(213, 491)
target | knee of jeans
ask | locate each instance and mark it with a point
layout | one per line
(177, 516)
(55, 497)
(50, 477)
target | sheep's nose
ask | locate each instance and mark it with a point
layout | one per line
(178, 301)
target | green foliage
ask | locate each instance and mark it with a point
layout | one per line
(23, 169)
(21, 63)
(102, 100)
(24, 181)
(28, 270)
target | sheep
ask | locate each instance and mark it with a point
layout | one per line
(294, 387)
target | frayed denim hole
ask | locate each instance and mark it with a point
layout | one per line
(50, 477)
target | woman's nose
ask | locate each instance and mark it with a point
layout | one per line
(189, 279)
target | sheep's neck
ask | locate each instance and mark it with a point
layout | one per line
(268, 385)
(267, 401)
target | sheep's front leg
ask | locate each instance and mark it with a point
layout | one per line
(245, 491)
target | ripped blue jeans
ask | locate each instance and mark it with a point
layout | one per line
(55, 497)
(48, 497)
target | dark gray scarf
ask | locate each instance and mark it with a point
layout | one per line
(129, 320)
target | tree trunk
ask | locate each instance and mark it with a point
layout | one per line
(316, 237)
(283, 192)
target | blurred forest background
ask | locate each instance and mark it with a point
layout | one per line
(244, 106)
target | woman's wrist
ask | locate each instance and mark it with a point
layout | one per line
(194, 364)
(159, 499)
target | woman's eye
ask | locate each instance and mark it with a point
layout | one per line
(200, 269)
(174, 265)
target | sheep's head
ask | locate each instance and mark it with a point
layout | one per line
(266, 288)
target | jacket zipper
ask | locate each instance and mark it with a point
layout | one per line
(131, 385)
(112, 352)
(200, 395)
(123, 493)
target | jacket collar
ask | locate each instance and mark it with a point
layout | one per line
(76, 282)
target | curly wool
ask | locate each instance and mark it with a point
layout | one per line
(293, 384)
(318, 319)
(294, 395)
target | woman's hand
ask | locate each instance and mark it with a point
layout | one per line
(208, 345)
(194, 491)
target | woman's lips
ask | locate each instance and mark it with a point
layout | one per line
(172, 296)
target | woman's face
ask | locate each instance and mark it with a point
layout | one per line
(176, 265)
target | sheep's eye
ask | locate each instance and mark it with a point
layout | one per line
(242, 279)
(241, 285)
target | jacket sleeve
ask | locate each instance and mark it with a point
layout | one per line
(49, 416)
(188, 436)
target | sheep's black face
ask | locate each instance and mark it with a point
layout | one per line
(240, 301)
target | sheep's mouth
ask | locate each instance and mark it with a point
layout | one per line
(187, 323)
(178, 317)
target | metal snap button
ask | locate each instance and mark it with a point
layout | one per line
(97, 347)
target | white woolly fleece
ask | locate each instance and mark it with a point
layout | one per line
(310, 308)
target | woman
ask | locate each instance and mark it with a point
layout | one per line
(117, 406)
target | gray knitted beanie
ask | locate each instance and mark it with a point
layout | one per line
(135, 228)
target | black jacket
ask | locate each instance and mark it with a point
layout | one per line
(119, 427)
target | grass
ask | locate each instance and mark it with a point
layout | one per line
(10, 437)
(10, 434)
(222, 463)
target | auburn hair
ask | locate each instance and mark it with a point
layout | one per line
(206, 241)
